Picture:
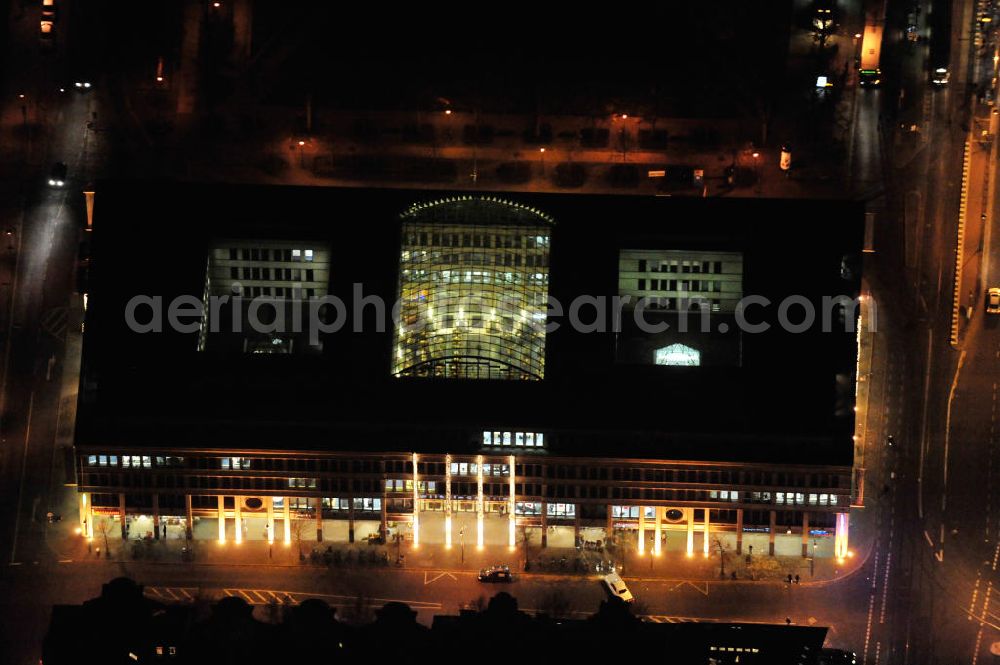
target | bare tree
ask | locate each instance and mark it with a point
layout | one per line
(722, 548)
(298, 528)
(526, 535)
(102, 527)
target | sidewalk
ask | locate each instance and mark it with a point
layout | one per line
(672, 564)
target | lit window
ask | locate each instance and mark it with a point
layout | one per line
(677, 355)
(781, 497)
(506, 438)
(519, 438)
(487, 439)
(102, 460)
(309, 255)
(824, 499)
(296, 254)
(147, 462)
(91, 460)
(114, 460)
(454, 468)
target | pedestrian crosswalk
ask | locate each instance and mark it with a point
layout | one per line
(266, 597)
(661, 618)
(270, 597)
(55, 321)
(175, 594)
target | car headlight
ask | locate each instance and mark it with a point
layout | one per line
(52, 183)
(86, 84)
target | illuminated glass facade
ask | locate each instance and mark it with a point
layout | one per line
(473, 288)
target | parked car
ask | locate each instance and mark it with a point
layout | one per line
(498, 573)
(993, 300)
(57, 176)
(617, 588)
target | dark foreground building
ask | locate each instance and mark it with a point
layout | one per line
(227, 631)
(384, 362)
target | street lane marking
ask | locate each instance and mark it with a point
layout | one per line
(868, 629)
(661, 618)
(975, 592)
(430, 580)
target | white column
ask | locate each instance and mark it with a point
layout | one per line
(270, 520)
(657, 529)
(704, 545)
(447, 502)
(287, 514)
(690, 534)
(511, 517)
(642, 530)
(416, 505)
(479, 502)
(222, 519)
(238, 522)
(840, 543)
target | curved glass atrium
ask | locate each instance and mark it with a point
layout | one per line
(473, 288)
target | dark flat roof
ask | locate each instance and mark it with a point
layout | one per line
(783, 404)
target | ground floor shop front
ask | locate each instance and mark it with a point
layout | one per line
(464, 524)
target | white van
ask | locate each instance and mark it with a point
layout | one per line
(616, 587)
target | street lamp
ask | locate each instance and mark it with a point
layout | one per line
(461, 535)
(812, 562)
(541, 159)
(756, 168)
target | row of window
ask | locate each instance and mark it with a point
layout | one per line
(681, 266)
(496, 438)
(278, 291)
(134, 461)
(397, 485)
(705, 285)
(799, 499)
(279, 274)
(488, 277)
(442, 259)
(472, 469)
(430, 239)
(517, 439)
(266, 254)
(551, 509)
